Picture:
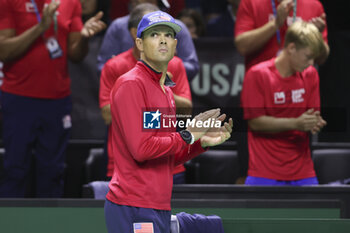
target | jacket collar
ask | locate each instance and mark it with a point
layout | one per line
(155, 74)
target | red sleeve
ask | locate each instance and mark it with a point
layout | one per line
(190, 152)
(108, 77)
(77, 23)
(325, 31)
(6, 15)
(314, 89)
(127, 120)
(252, 95)
(245, 17)
(182, 87)
(325, 35)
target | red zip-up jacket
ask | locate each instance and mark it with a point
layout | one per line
(144, 158)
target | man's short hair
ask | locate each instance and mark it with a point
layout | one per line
(304, 34)
(138, 12)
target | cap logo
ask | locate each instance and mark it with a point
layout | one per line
(155, 18)
(158, 18)
(164, 17)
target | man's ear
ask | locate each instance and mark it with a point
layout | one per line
(291, 48)
(175, 45)
(133, 33)
(139, 44)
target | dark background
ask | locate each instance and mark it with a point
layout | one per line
(335, 73)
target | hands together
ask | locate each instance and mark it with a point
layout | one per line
(311, 121)
(284, 9)
(93, 26)
(48, 12)
(212, 133)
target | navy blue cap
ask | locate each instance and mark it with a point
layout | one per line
(157, 18)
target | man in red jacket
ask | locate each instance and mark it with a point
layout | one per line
(147, 150)
(120, 64)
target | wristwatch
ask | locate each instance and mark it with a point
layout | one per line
(187, 136)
